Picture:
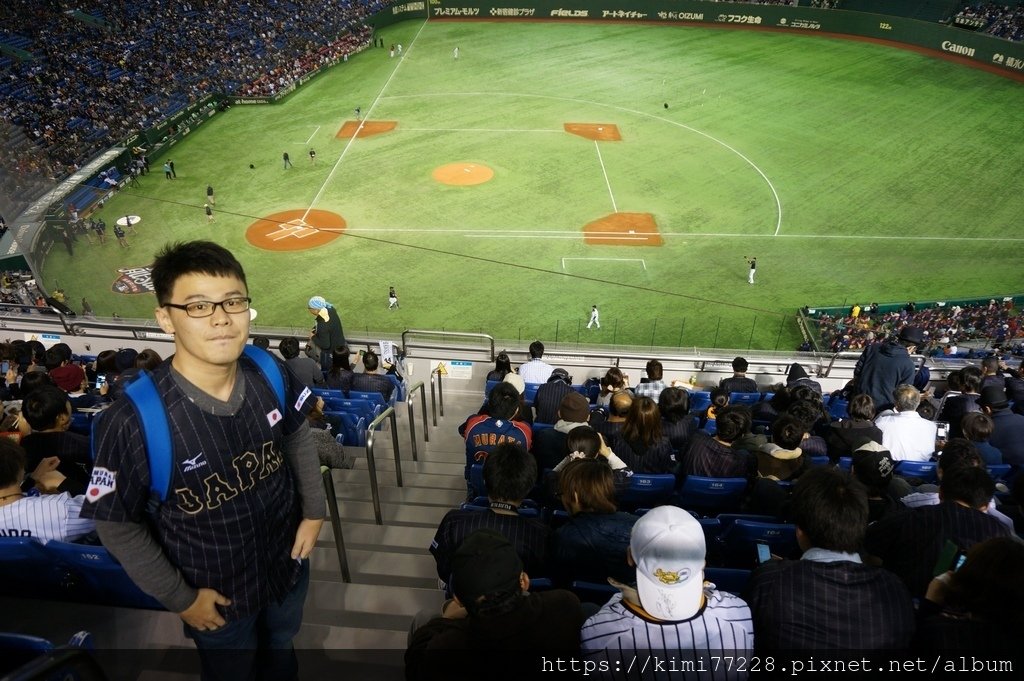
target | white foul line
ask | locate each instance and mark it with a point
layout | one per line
(405, 129)
(616, 236)
(314, 133)
(609, 184)
(639, 260)
(356, 134)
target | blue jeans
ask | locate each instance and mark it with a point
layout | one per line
(258, 646)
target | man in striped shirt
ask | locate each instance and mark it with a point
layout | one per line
(829, 599)
(49, 517)
(227, 548)
(671, 613)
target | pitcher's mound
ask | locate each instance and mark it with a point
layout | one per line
(623, 229)
(290, 231)
(369, 128)
(603, 132)
(462, 174)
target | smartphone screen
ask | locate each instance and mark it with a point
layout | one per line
(959, 562)
(100, 380)
(5, 367)
(764, 552)
(941, 430)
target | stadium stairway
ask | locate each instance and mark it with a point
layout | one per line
(360, 626)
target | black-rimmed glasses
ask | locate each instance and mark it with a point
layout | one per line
(206, 308)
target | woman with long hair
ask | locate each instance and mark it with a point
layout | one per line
(641, 443)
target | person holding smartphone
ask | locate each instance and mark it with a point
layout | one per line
(829, 598)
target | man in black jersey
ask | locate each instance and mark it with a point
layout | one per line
(227, 548)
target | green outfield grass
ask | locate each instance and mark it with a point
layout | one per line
(854, 172)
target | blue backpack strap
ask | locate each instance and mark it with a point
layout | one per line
(156, 432)
(270, 369)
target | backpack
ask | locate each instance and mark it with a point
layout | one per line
(156, 430)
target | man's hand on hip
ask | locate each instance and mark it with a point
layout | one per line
(305, 537)
(203, 614)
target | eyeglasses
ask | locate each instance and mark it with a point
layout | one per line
(206, 308)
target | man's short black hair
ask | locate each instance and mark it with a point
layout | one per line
(831, 508)
(788, 431)
(34, 380)
(503, 401)
(739, 365)
(370, 361)
(971, 485)
(674, 403)
(43, 406)
(192, 257)
(509, 472)
(654, 370)
(732, 424)
(289, 347)
(536, 349)
(261, 342)
(12, 462)
(959, 451)
(52, 359)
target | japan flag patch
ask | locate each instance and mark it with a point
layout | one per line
(302, 399)
(102, 483)
(273, 417)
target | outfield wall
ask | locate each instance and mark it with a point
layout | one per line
(984, 49)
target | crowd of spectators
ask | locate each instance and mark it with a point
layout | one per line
(826, 4)
(1003, 21)
(96, 76)
(869, 532)
(944, 326)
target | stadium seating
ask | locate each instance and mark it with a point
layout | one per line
(646, 489)
(744, 398)
(740, 539)
(730, 580)
(64, 571)
(712, 495)
(699, 400)
(925, 471)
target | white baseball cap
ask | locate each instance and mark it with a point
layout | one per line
(668, 548)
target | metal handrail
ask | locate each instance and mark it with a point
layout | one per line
(447, 334)
(332, 505)
(438, 398)
(412, 417)
(371, 462)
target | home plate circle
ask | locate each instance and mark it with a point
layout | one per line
(295, 230)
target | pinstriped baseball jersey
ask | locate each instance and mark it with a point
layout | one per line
(51, 517)
(617, 633)
(230, 518)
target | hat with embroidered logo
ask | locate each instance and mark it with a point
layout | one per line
(667, 545)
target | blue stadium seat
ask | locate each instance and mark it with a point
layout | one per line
(477, 487)
(647, 489)
(538, 427)
(710, 426)
(593, 592)
(712, 495)
(327, 392)
(92, 575)
(739, 541)
(399, 394)
(376, 399)
(489, 387)
(730, 580)
(837, 408)
(699, 400)
(925, 471)
(727, 519)
(351, 428)
(744, 398)
(845, 463)
(999, 471)
(26, 569)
